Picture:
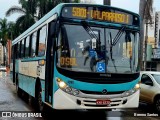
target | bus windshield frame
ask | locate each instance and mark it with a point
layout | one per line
(108, 34)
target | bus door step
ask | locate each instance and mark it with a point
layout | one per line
(48, 104)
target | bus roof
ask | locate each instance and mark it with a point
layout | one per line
(57, 10)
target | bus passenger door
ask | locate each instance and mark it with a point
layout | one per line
(49, 63)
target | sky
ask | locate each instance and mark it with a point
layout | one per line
(5, 5)
(131, 5)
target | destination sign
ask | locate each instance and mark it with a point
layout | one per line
(100, 14)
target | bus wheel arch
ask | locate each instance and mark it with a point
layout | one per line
(38, 95)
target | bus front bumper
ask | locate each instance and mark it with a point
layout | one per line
(64, 100)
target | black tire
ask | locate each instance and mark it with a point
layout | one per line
(39, 102)
(30, 100)
(157, 104)
(18, 90)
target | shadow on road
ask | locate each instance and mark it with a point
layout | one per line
(146, 108)
(73, 114)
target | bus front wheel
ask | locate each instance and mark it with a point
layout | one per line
(40, 102)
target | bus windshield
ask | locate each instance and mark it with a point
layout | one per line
(97, 49)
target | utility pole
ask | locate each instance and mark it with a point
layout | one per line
(142, 6)
(145, 47)
(107, 2)
(145, 44)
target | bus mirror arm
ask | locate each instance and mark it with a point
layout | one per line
(57, 27)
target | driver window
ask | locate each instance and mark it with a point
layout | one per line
(59, 43)
(63, 45)
(146, 79)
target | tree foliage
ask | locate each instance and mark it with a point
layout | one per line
(31, 11)
(3, 31)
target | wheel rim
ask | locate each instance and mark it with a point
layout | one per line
(158, 105)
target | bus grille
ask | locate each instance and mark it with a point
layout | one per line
(92, 103)
(100, 93)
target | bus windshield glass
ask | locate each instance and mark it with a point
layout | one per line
(98, 50)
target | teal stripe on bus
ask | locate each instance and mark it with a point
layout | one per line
(33, 59)
(98, 87)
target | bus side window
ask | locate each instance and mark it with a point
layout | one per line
(22, 49)
(15, 50)
(42, 41)
(19, 50)
(27, 47)
(33, 44)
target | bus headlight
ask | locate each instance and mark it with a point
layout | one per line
(137, 86)
(132, 91)
(63, 86)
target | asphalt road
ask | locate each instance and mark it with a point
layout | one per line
(21, 110)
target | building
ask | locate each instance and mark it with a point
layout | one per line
(157, 29)
(149, 44)
(153, 45)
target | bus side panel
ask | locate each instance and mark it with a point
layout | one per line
(27, 84)
(17, 66)
(29, 71)
(11, 71)
(43, 89)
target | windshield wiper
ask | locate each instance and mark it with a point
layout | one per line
(114, 42)
(90, 31)
(111, 53)
(98, 43)
(118, 36)
(116, 39)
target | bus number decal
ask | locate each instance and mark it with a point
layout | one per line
(68, 61)
(79, 12)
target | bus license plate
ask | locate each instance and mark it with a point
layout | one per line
(103, 102)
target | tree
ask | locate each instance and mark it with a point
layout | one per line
(44, 6)
(3, 35)
(3, 31)
(145, 10)
(13, 32)
(31, 11)
(28, 11)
